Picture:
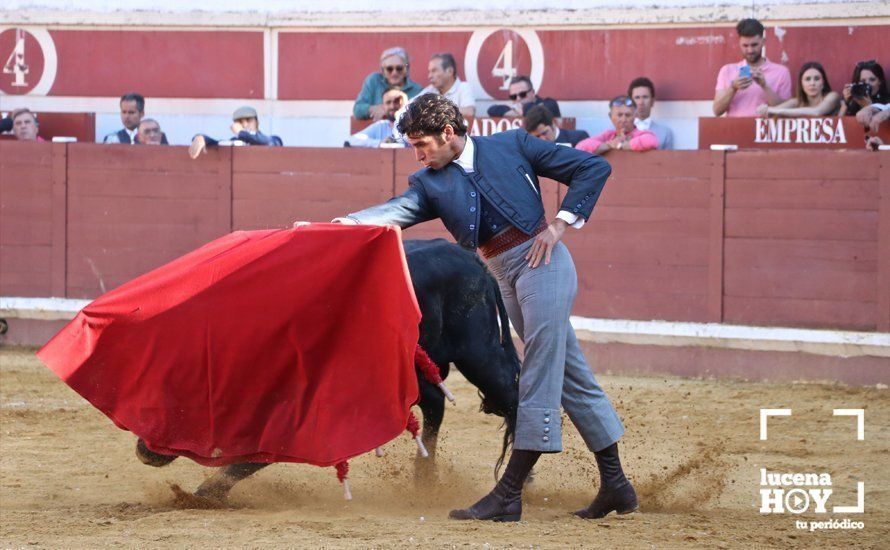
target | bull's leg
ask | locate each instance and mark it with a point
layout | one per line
(151, 458)
(432, 405)
(217, 487)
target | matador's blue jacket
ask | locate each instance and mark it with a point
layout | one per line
(507, 168)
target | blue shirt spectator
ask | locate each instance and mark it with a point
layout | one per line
(381, 132)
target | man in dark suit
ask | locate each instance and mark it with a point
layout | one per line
(132, 110)
(487, 194)
(539, 122)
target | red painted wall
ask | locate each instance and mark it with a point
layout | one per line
(581, 64)
(788, 238)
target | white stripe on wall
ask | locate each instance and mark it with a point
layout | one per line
(836, 343)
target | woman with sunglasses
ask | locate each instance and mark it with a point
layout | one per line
(872, 88)
(626, 136)
(393, 72)
(814, 96)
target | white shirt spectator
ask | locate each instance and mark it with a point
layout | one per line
(461, 93)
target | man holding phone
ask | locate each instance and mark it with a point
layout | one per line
(743, 86)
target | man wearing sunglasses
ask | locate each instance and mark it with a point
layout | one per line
(523, 96)
(626, 136)
(393, 72)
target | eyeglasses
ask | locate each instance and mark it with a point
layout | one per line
(520, 95)
(864, 64)
(394, 68)
(622, 102)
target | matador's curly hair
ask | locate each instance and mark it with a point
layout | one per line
(428, 115)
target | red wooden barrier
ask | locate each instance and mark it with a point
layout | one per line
(27, 219)
(131, 209)
(802, 239)
(644, 253)
(760, 237)
(276, 186)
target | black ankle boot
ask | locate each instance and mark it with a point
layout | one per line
(504, 502)
(616, 493)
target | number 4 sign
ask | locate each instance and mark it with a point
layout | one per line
(490, 80)
(29, 61)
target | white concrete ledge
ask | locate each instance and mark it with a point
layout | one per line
(836, 343)
(44, 309)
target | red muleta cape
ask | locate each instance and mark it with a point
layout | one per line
(291, 345)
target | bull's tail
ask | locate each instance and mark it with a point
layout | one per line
(507, 343)
(509, 433)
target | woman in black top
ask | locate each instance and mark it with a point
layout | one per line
(872, 74)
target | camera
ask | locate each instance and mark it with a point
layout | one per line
(860, 90)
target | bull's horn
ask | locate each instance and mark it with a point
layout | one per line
(448, 394)
(421, 448)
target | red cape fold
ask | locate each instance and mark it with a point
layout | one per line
(291, 345)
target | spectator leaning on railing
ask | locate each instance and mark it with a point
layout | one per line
(539, 122)
(394, 69)
(246, 130)
(25, 125)
(381, 132)
(867, 86)
(522, 94)
(742, 86)
(872, 117)
(814, 96)
(642, 91)
(625, 136)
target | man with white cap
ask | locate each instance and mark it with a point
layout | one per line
(394, 67)
(246, 129)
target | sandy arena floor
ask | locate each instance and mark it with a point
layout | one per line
(69, 478)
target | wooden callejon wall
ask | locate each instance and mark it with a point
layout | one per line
(782, 238)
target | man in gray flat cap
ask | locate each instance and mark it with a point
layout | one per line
(246, 129)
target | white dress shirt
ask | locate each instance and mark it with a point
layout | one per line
(460, 93)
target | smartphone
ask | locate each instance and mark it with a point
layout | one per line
(745, 71)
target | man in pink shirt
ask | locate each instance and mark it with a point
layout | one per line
(625, 136)
(743, 86)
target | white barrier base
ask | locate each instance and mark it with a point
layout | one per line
(836, 343)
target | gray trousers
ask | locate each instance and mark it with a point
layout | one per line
(554, 371)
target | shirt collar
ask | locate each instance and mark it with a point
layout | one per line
(466, 160)
(643, 124)
(453, 87)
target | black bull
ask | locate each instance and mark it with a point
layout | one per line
(464, 322)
